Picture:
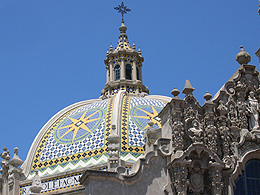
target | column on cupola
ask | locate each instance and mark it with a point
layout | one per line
(140, 73)
(122, 68)
(140, 66)
(134, 75)
(108, 74)
(110, 64)
(111, 72)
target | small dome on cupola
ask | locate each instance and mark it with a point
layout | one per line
(123, 28)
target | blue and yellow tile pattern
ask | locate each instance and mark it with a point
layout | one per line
(136, 113)
(77, 139)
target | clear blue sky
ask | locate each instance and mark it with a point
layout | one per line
(52, 52)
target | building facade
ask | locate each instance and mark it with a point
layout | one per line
(129, 142)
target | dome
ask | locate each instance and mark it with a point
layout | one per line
(99, 134)
(77, 136)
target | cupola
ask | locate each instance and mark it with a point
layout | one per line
(124, 68)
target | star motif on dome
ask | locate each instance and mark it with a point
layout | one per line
(150, 116)
(78, 124)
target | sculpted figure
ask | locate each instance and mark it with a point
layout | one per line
(189, 112)
(232, 113)
(222, 108)
(253, 109)
(240, 85)
(195, 132)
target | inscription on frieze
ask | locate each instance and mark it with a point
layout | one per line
(54, 184)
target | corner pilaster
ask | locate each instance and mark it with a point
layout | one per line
(134, 71)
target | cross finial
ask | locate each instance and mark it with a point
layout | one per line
(122, 9)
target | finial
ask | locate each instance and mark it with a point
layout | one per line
(139, 51)
(5, 148)
(7, 156)
(16, 161)
(188, 89)
(134, 48)
(243, 57)
(16, 150)
(207, 96)
(175, 92)
(3, 155)
(111, 48)
(122, 28)
(122, 9)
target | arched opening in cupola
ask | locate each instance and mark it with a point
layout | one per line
(117, 72)
(128, 72)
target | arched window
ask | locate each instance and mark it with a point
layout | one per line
(249, 182)
(117, 72)
(128, 72)
(138, 74)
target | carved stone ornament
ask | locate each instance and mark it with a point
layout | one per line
(180, 179)
(253, 110)
(195, 132)
(196, 177)
(196, 180)
(216, 181)
(36, 184)
(150, 134)
(178, 132)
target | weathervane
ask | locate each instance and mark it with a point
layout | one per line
(122, 9)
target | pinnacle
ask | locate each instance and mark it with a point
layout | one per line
(134, 48)
(188, 89)
(111, 48)
(139, 51)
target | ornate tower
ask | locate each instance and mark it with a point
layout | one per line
(124, 68)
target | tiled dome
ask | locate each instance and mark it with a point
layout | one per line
(76, 137)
